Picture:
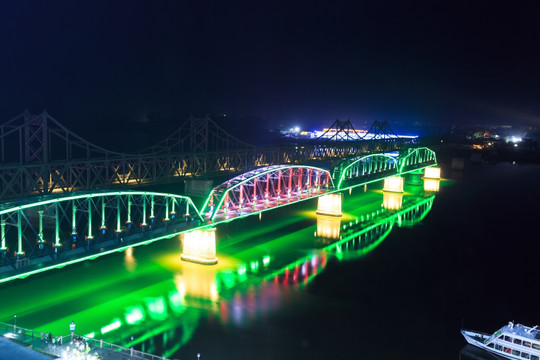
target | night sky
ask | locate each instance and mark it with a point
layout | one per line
(289, 62)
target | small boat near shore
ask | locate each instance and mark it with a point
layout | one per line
(509, 342)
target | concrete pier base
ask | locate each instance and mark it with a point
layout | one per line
(393, 184)
(199, 246)
(329, 205)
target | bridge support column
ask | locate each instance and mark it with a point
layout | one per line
(432, 173)
(329, 205)
(392, 200)
(432, 185)
(432, 179)
(199, 246)
(328, 230)
(393, 184)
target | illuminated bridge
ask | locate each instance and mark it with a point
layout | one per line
(53, 231)
(40, 156)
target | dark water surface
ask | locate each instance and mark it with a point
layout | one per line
(401, 292)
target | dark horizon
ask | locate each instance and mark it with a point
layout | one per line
(304, 64)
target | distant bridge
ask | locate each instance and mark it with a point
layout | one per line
(39, 156)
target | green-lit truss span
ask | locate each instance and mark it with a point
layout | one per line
(374, 167)
(266, 188)
(366, 166)
(416, 158)
(86, 225)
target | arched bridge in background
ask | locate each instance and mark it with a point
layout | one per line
(40, 156)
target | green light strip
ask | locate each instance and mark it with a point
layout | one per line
(3, 232)
(93, 195)
(19, 234)
(89, 218)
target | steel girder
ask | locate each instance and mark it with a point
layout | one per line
(50, 226)
(364, 167)
(264, 185)
(40, 156)
(415, 158)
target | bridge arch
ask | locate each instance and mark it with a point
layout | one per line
(366, 166)
(258, 189)
(418, 156)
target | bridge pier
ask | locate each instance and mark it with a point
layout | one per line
(328, 230)
(432, 173)
(393, 184)
(392, 200)
(199, 246)
(432, 185)
(329, 204)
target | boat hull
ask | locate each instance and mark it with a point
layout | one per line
(477, 339)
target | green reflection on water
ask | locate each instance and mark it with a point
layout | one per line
(151, 294)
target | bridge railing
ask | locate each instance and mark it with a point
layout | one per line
(66, 339)
(84, 224)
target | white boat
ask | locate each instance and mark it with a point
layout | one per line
(509, 342)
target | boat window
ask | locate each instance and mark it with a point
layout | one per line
(527, 343)
(515, 352)
(534, 357)
(498, 347)
(507, 338)
(517, 341)
(536, 346)
(525, 355)
(506, 350)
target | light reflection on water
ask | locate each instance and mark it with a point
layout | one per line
(160, 300)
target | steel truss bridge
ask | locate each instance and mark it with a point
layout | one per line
(275, 186)
(80, 226)
(40, 156)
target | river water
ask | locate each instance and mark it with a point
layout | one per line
(292, 285)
